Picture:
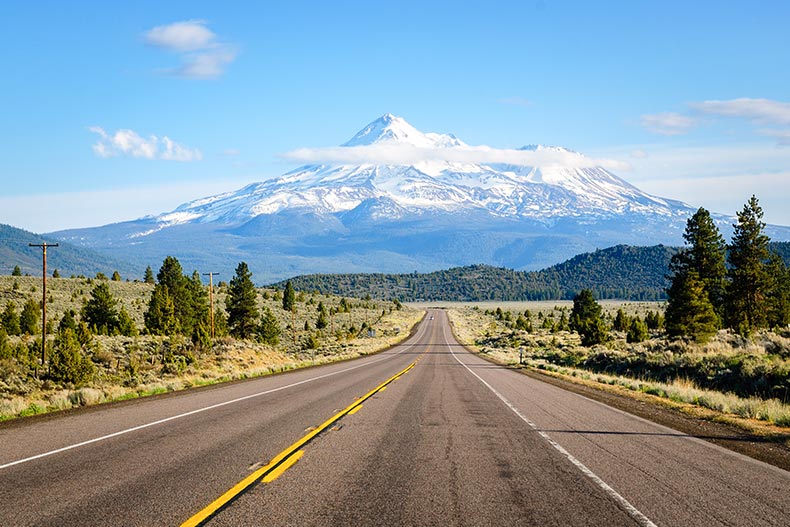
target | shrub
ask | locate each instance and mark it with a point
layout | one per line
(68, 364)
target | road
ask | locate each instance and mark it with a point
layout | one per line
(422, 434)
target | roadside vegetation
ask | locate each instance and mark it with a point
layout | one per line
(110, 338)
(721, 341)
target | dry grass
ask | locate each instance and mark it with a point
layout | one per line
(129, 367)
(561, 353)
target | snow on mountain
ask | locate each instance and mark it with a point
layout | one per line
(395, 199)
(542, 193)
(389, 128)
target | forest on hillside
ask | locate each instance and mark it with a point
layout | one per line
(620, 272)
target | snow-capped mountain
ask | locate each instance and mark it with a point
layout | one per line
(542, 193)
(395, 199)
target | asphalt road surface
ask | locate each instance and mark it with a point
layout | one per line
(423, 434)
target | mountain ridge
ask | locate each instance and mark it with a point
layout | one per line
(395, 199)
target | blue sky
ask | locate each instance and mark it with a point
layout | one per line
(115, 110)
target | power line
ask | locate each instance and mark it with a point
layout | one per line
(44, 301)
(211, 298)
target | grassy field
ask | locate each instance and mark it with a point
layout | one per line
(127, 367)
(747, 378)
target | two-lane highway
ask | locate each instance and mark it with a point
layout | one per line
(453, 440)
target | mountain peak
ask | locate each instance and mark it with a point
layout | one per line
(393, 129)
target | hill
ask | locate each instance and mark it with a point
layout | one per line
(621, 272)
(68, 259)
(626, 272)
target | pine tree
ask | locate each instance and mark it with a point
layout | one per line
(171, 276)
(269, 330)
(621, 321)
(289, 297)
(637, 331)
(10, 319)
(100, 311)
(706, 255)
(17, 271)
(200, 310)
(67, 362)
(148, 278)
(116, 276)
(241, 303)
(126, 325)
(746, 295)
(689, 311)
(68, 321)
(220, 322)
(779, 292)
(704, 259)
(160, 318)
(587, 320)
(29, 319)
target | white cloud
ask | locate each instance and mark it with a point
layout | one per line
(189, 35)
(760, 111)
(719, 178)
(400, 154)
(202, 55)
(206, 65)
(129, 143)
(668, 123)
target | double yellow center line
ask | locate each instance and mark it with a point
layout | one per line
(284, 460)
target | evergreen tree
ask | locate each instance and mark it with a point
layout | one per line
(55, 274)
(160, 318)
(220, 322)
(68, 321)
(704, 259)
(289, 297)
(241, 303)
(171, 277)
(654, 320)
(269, 330)
(322, 320)
(587, 319)
(126, 325)
(17, 271)
(201, 335)
(779, 292)
(116, 276)
(67, 362)
(5, 348)
(100, 312)
(148, 278)
(746, 295)
(689, 312)
(706, 255)
(621, 321)
(198, 295)
(10, 319)
(29, 319)
(637, 331)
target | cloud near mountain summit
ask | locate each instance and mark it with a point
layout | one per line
(394, 153)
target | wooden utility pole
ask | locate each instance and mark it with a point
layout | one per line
(211, 298)
(44, 301)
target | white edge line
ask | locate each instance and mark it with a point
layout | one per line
(193, 412)
(632, 511)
